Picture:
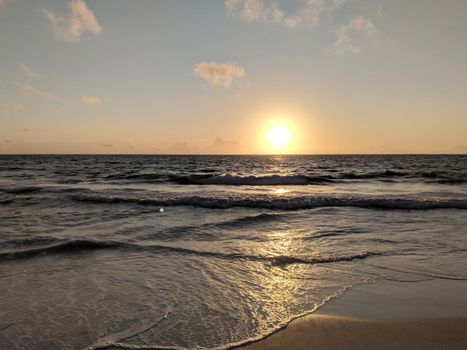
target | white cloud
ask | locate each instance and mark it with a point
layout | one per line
(72, 26)
(220, 74)
(91, 100)
(362, 24)
(28, 71)
(308, 13)
(344, 44)
(12, 107)
(28, 90)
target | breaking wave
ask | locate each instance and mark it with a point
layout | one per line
(208, 177)
(20, 190)
(271, 180)
(285, 203)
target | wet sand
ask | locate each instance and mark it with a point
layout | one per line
(386, 315)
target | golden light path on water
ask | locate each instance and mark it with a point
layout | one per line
(283, 282)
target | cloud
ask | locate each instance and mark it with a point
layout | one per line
(28, 90)
(220, 74)
(25, 130)
(28, 71)
(72, 26)
(179, 147)
(344, 44)
(12, 107)
(91, 100)
(308, 13)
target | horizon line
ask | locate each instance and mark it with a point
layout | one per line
(233, 154)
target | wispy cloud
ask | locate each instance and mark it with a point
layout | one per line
(28, 90)
(91, 100)
(309, 12)
(70, 27)
(29, 71)
(344, 44)
(220, 74)
(12, 107)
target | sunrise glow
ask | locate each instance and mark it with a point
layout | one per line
(279, 136)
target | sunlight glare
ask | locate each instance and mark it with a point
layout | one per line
(279, 137)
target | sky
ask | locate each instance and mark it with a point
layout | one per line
(212, 76)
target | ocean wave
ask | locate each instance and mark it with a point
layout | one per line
(450, 181)
(441, 177)
(285, 203)
(270, 180)
(248, 220)
(30, 241)
(205, 231)
(58, 246)
(21, 190)
(208, 177)
(134, 176)
(78, 245)
(46, 189)
(374, 175)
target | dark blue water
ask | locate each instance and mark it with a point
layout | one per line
(209, 251)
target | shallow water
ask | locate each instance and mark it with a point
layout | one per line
(209, 251)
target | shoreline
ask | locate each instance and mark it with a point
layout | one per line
(386, 315)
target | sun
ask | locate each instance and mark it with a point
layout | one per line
(279, 138)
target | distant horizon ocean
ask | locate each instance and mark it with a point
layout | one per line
(234, 154)
(210, 251)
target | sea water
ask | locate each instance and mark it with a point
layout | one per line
(146, 252)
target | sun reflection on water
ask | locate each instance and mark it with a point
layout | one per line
(281, 190)
(286, 284)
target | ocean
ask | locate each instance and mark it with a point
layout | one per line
(144, 252)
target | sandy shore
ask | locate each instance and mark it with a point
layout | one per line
(387, 315)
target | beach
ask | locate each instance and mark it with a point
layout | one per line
(385, 315)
